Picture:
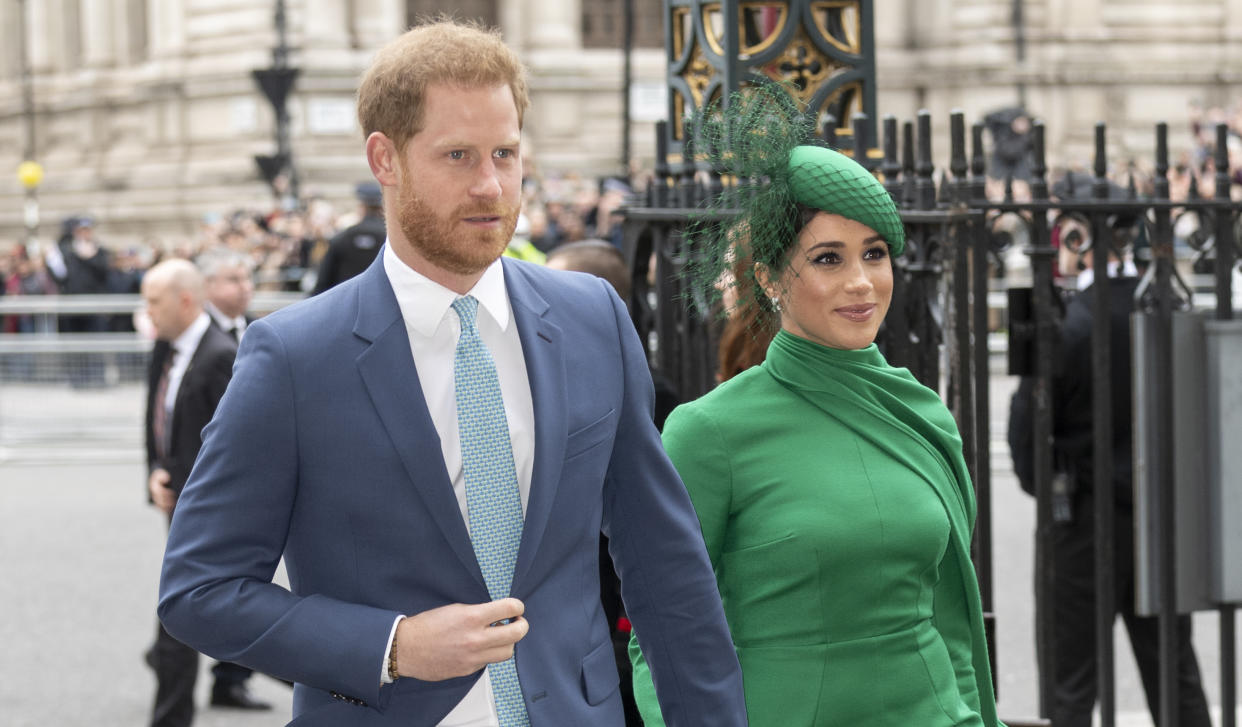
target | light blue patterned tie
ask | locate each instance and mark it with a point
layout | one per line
(492, 496)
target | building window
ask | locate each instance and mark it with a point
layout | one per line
(483, 11)
(603, 23)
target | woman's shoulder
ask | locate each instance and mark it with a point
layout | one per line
(752, 387)
(731, 406)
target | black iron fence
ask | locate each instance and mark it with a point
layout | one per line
(960, 236)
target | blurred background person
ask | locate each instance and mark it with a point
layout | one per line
(1074, 681)
(520, 246)
(81, 266)
(747, 330)
(351, 250)
(191, 365)
(229, 290)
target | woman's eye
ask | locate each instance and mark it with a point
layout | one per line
(826, 258)
(879, 252)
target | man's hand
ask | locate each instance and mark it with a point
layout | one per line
(163, 497)
(458, 639)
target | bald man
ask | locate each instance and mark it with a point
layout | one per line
(191, 364)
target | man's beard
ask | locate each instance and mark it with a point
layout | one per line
(464, 252)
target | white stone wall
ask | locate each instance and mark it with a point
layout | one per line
(150, 130)
(1128, 63)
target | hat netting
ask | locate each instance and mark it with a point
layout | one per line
(763, 144)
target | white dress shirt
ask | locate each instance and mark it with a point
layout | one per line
(1086, 276)
(183, 349)
(235, 327)
(433, 329)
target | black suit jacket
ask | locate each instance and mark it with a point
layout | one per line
(205, 380)
(350, 252)
(1072, 400)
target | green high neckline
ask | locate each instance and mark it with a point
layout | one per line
(803, 361)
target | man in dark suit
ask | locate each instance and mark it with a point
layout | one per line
(353, 249)
(1074, 682)
(191, 364)
(434, 448)
(229, 288)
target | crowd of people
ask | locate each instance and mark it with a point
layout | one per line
(286, 248)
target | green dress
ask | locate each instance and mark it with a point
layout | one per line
(837, 512)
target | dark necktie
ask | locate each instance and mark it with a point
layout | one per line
(159, 413)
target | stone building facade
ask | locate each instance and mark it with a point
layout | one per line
(1128, 63)
(146, 115)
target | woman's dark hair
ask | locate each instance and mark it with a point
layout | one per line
(799, 215)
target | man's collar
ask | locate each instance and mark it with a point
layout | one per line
(424, 302)
(188, 341)
(221, 320)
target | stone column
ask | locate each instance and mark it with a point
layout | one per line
(63, 49)
(1233, 35)
(553, 25)
(97, 18)
(10, 65)
(129, 31)
(378, 21)
(165, 28)
(326, 24)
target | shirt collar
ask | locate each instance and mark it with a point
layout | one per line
(1087, 276)
(222, 320)
(187, 342)
(425, 302)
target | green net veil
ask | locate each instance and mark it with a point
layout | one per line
(776, 176)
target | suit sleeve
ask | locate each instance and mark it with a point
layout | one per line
(228, 534)
(702, 460)
(666, 577)
(1021, 434)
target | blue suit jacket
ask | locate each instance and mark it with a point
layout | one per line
(323, 451)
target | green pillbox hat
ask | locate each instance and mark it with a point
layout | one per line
(832, 182)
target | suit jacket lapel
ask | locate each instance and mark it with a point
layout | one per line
(183, 388)
(542, 348)
(399, 401)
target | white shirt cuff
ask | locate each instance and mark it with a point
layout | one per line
(392, 635)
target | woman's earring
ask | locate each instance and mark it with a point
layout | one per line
(776, 303)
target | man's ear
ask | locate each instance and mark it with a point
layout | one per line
(384, 160)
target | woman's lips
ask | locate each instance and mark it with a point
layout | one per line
(857, 313)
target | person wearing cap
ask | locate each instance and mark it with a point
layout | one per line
(830, 486)
(81, 266)
(353, 249)
(520, 247)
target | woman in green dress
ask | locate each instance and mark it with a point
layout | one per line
(831, 489)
